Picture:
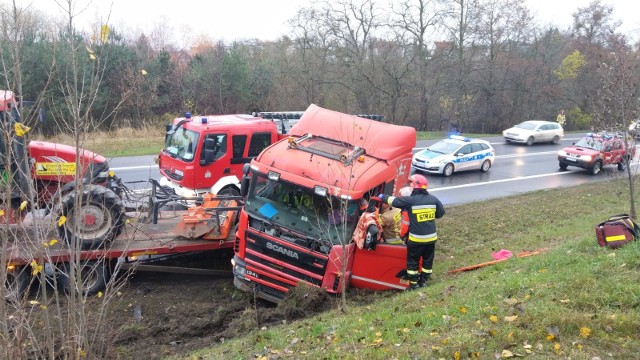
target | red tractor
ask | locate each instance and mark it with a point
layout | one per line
(44, 175)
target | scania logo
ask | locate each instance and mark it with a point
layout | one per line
(280, 249)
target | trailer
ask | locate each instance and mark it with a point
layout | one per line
(147, 237)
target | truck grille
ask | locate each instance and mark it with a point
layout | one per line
(269, 255)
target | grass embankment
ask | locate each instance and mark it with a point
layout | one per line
(121, 142)
(576, 300)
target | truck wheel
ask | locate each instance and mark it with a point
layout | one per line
(94, 275)
(563, 165)
(16, 285)
(595, 168)
(229, 191)
(98, 221)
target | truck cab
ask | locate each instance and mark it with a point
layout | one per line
(302, 206)
(206, 153)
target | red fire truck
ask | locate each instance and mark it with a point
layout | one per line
(302, 206)
(206, 153)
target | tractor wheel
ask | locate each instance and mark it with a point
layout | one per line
(97, 221)
(94, 275)
(17, 283)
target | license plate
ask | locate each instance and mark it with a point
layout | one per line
(571, 159)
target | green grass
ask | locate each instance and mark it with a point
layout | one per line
(575, 300)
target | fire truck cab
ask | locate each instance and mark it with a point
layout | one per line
(206, 153)
(303, 203)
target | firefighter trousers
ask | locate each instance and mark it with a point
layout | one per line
(417, 251)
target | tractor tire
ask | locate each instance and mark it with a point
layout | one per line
(97, 222)
(94, 276)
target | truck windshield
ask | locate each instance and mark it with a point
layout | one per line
(290, 207)
(182, 144)
(589, 143)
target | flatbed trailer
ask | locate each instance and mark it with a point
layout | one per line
(145, 238)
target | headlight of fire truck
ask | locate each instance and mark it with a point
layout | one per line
(586, 158)
(562, 153)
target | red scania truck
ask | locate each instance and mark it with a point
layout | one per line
(302, 206)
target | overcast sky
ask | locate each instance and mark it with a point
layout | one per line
(267, 19)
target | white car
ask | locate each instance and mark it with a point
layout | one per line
(533, 131)
(456, 153)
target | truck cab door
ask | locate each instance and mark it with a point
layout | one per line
(377, 269)
(215, 159)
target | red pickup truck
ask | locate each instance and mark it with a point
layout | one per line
(594, 151)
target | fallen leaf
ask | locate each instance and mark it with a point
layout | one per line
(511, 301)
(585, 332)
(463, 309)
(510, 318)
(493, 318)
(506, 354)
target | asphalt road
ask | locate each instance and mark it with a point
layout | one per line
(517, 169)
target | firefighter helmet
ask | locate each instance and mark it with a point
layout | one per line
(418, 181)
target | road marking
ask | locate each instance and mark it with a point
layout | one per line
(565, 172)
(504, 180)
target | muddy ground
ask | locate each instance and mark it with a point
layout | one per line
(161, 314)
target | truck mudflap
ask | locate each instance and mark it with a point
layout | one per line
(377, 269)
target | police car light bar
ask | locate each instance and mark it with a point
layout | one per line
(458, 137)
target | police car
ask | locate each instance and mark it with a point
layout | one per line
(456, 153)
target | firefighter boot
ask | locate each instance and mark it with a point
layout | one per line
(423, 279)
(414, 281)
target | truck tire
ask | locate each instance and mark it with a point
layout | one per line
(101, 217)
(94, 275)
(622, 165)
(563, 165)
(17, 283)
(595, 168)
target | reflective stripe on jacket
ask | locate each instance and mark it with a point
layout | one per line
(422, 209)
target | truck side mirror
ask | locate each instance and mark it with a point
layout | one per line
(244, 183)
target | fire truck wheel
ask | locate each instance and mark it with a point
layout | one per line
(229, 191)
(16, 285)
(98, 220)
(622, 165)
(94, 275)
(595, 168)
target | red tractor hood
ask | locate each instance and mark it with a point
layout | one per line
(57, 162)
(53, 152)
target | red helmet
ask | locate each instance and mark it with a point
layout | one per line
(418, 181)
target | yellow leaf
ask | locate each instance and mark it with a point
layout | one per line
(435, 348)
(511, 301)
(463, 309)
(45, 244)
(551, 337)
(99, 294)
(62, 220)
(23, 205)
(33, 302)
(493, 318)
(377, 341)
(510, 318)
(44, 307)
(21, 129)
(378, 334)
(506, 354)
(475, 355)
(1, 212)
(143, 72)
(456, 355)
(444, 341)
(585, 332)
(510, 336)
(405, 330)
(565, 301)
(542, 270)
(104, 33)
(92, 57)
(53, 242)
(556, 347)
(492, 332)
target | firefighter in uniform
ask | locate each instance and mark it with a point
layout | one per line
(422, 208)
